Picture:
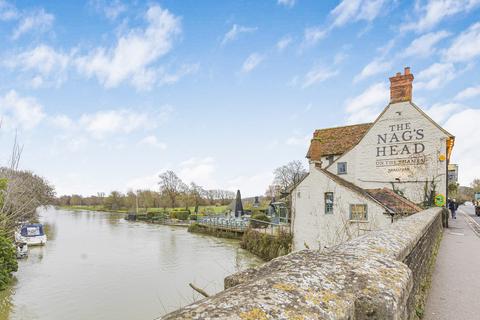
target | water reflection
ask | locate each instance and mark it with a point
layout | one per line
(98, 266)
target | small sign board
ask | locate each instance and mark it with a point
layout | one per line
(477, 196)
(439, 200)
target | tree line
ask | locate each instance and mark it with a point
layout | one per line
(172, 193)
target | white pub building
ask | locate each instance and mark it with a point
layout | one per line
(362, 177)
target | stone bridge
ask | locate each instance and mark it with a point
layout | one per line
(381, 275)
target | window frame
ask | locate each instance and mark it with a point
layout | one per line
(356, 218)
(328, 209)
(338, 168)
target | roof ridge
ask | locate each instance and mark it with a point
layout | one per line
(353, 187)
(346, 126)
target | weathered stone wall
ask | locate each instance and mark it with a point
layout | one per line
(375, 276)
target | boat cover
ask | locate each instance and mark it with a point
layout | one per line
(32, 230)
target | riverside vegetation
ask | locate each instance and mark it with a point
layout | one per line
(21, 193)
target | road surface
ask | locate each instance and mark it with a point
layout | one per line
(455, 291)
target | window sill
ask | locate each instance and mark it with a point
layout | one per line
(358, 221)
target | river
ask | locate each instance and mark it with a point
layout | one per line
(99, 266)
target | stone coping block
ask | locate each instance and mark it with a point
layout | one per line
(364, 278)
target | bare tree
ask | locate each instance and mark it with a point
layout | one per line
(475, 185)
(171, 186)
(197, 194)
(289, 175)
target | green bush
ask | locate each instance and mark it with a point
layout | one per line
(196, 217)
(180, 214)
(8, 261)
(267, 246)
(260, 217)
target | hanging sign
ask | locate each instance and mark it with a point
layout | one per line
(439, 200)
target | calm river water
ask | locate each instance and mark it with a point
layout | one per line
(99, 266)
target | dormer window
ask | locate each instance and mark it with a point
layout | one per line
(342, 168)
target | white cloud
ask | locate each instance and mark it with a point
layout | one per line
(251, 185)
(236, 30)
(356, 10)
(340, 57)
(111, 9)
(286, 3)
(165, 78)
(298, 141)
(153, 141)
(434, 11)
(366, 106)
(109, 122)
(134, 53)
(464, 126)
(424, 45)
(284, 43)
(373, 68)
(468, 93)
(62, 121)
(436, 76)
(20, 112)
(198, 170)
(252, 61)
(47, 65)
(149, 182)
(466, 46)
(441, 112)
(318, 74)
(37, 21)
(312, 35)
(8, 11)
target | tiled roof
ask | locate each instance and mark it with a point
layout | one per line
(336, 141)
(388, 199)
(395, 202)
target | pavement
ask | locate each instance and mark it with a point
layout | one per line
(455, 290)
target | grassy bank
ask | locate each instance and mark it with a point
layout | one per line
(201, 209)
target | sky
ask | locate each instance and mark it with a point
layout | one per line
(105, 95)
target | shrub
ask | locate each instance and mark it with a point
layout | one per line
(180, 214)
(8, 261)
(259, 217)
(196, 217)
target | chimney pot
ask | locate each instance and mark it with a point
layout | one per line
(401, 86)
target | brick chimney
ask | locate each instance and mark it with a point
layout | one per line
(401, 86)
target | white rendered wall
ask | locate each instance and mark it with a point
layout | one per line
(402, 126)
(311, 226)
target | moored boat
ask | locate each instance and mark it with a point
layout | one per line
(31, 234)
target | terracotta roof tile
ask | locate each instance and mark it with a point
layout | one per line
(336, 141)
(385, 197)
(396, 203)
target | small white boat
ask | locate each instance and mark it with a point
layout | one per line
(22, 250)
(31, 234)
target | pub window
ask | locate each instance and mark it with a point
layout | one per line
(328, 202)
(358, 212)
(299, 195)
(342, 168)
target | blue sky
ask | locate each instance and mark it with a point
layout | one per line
(107, 94)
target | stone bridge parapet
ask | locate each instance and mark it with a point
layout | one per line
(380, 275)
